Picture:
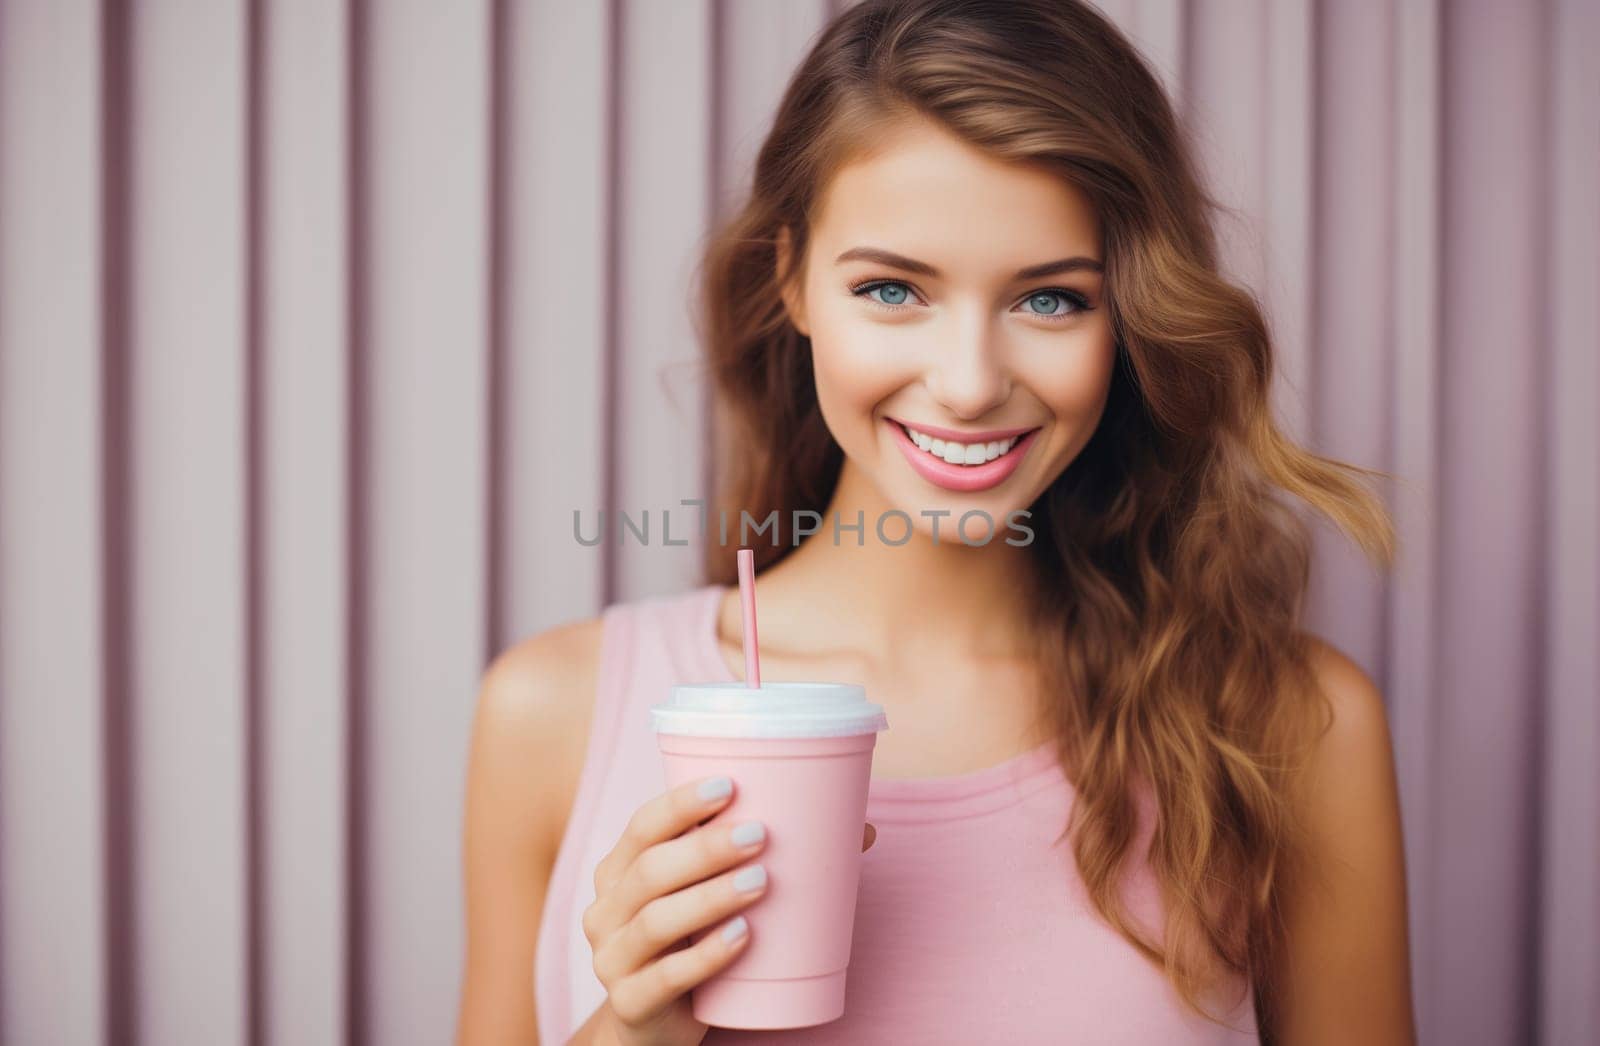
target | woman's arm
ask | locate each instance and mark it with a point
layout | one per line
(1348, 976)
(528, 739)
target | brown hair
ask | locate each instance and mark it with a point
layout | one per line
(1171, 566)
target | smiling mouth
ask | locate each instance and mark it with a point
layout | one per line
(970, 454)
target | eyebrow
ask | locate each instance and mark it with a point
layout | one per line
(900, 261)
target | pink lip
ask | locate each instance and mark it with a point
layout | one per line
(963, 478)
(986, 436)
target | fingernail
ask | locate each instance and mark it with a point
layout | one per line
(716, 788)
(751, 878)
(748, 834)
(736, 928)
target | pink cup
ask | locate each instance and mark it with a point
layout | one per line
(800, 755)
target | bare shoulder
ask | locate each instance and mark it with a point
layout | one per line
(536, 677)
(534, 709)
(1347, 970)
(528, 739)
(1348, 793)
(1359, 730)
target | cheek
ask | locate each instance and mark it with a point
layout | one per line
(854, 371)
(1074, 386)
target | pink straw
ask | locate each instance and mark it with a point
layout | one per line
(747, 597)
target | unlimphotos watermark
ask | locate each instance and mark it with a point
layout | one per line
(973, 527)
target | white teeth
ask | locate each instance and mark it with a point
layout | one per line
(961, 453)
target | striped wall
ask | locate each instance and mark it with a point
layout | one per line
(318, 320)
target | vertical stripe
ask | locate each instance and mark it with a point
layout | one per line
(119, 871)
(558, 296)
(188, 430)
(358, 439)
(303, 498)
(52, 580)
(1226, 107)
(1348, 394)
(1570, 916)
(1288, 210)
(1488, 686)
(1414, 333)
(611, 348)
(426, 258)
(497, 194)
(660, 395)
(254, 534)
(717, 59)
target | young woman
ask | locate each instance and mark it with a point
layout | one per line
(1124, 796)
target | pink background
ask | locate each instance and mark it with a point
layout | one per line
(318, 321)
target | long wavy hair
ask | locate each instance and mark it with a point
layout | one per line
(1171, 560)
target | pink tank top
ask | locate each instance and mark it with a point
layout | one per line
(971, 925)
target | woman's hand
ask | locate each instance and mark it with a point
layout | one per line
(668, 877)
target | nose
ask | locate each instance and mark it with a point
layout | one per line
(970, 377)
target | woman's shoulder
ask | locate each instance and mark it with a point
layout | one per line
(545, 685)
(1346, 916)
(534, 710)
(1348, 799)
(537, 700)
(538, 681)
(1358, 726)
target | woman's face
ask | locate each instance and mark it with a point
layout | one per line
(961, 298)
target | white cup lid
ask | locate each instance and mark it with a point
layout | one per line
(772, 710)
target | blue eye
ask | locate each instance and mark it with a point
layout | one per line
(895, 294)
(1050, 309)
(1053, 302)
